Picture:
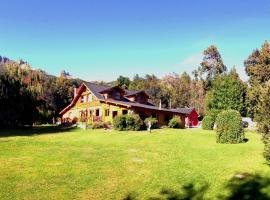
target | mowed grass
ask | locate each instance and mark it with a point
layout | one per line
(99, 164)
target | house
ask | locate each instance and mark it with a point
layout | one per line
(98, 103)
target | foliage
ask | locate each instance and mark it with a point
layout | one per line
(228, 92)
(178, 88)
(212, 65)
(176, 122)
(197, 96)
(119, 122)
(263, 115)
(133, 122)
(208, 123)
(49, 94)
(130, 122)
(98, 125)
(154, 122)
(229, 127)
(123, 82)
(257, 67)
(266, 152)
(153, 87)
(174, 90)
(17, 105)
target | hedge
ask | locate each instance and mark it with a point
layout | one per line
(176, 122)
(130, 122)
(229, 127)
(208, 123)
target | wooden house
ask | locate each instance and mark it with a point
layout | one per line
(97, 103)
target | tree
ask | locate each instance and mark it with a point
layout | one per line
(228, 92)
(197, 99)
(263, 115)
(211, 66)
(17, 105)
(123, 82)
(178, 88)
(257, 67)
(153, 86)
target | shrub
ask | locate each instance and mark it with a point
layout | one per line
(98, 125)
(214, 113)
(229, 127)
(131, 122)
(154, 122)
(266, 152)
(208, 123)
(175, 122)
(119, 122)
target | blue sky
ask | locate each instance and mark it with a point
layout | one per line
(100, 40)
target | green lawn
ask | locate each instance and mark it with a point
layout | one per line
(99, 164)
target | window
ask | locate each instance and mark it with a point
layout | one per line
(89, 98)
(97, 112)
(107, 112)
(90, 113)
(82, 99)
(117, 95)
(124, 112)
(114, 114)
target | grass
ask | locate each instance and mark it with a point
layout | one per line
(99, 164)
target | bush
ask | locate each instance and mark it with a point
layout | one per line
(175, 122)
(229, 127)
(98, 125)
(119, 122)
(154, 122)
(208, 123)
(266, 152)
(131, 122)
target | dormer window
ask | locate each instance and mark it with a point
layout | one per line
(117, 95)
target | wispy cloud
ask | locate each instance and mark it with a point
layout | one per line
(191, 61)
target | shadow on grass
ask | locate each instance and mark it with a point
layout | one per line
(30, 131)
(249, 187)
(240, 187)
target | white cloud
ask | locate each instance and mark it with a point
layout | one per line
(192, 61)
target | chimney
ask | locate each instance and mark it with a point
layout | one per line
(75, 92)
(160, 104)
